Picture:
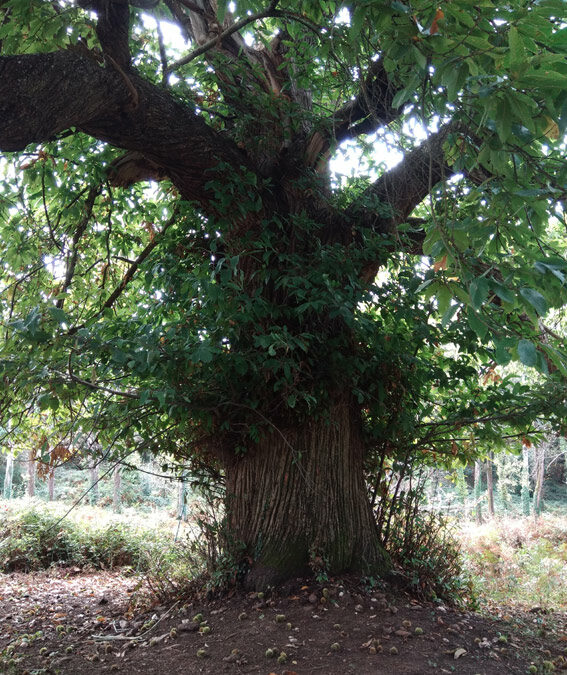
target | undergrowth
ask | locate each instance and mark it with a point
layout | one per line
(519, 561)
(426, 557)
(36, 535)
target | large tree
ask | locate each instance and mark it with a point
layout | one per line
(230, 310)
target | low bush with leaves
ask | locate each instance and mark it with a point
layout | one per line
(35, 536)
(426, 555)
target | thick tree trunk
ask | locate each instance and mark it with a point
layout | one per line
(297, 501)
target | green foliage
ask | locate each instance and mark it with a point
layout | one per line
(208, 338)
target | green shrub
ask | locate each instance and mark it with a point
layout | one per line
(426, 556)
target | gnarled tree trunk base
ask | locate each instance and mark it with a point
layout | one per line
(298, 503)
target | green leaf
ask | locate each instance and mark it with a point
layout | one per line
(402, 96)
(516, 47)
(536, 300)
(505, 294)
(501, 353)
(419, 57)
(543, 79)
(478, 290)
(477, 324)
(58, 315)
(527, 353)
(202, 354)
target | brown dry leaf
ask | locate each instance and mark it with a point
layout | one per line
(402, 633)
(440, 264)
(434, 27)
(459, 652)
(552, 130)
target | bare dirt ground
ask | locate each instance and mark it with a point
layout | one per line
(66, 621)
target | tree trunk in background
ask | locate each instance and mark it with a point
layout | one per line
(94, 493)
(502, 464)
(116, 492)
(297, 500)
(490, 484)
(181, 497)
(8, 476)
(31, 473)
(539, 478)
(434, 486)
(51, 484)
(478, 491)
(525, 482)
(463, 491)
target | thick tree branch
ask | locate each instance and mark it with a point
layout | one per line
(368, 111)
(217, 39)
(405, 186)
(371, 109)
(43, 95)
(74, 251)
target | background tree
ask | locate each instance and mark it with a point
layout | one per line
(231, 316)
(525, 481)
(490, 484)
(8, 476)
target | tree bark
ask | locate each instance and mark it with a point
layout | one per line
(490, 485)
(478, 490)
(181, 499)
(539, 478)
(51, 484)
(94, 489)
(31, 473)
(116, 492)
(8, 476)
(298, 501)
(525, 481)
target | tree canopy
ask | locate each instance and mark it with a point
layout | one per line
(182, 269)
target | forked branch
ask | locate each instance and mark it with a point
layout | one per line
(370, 109)
(406, 185)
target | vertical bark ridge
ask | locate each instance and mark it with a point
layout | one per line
(299, 501)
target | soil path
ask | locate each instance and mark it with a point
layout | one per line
(74, 623)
